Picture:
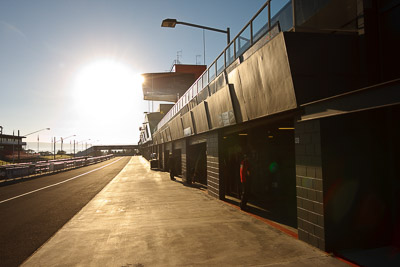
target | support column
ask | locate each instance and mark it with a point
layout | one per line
(184, 160)
(213, 172)
(167, 150)
(309, 183)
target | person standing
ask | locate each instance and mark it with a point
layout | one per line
(171, 167)
(245, 179)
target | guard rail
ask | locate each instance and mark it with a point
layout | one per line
(46, 167)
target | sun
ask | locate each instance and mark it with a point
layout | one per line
(106, 101)
(106, 84)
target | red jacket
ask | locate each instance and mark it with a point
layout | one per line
(244, 170)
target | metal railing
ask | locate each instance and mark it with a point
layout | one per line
(15, 143)
(31, 169)
(259, 26)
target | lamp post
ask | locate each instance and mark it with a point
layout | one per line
(171, 23)
(62, 140)
(54, 156)
(54, 152)
(1, 135)
(82, 143)
(56, 141)
(38, 136)
(37, 131)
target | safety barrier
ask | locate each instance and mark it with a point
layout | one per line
(46, 167)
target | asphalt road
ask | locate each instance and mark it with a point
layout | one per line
(32, 211)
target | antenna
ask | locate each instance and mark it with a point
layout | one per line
(178, 55)
(176, 61)
(198, 62)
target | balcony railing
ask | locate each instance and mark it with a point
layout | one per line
(260, 25)
(15, 142)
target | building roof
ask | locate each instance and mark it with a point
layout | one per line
(11, 136)
(170, 86)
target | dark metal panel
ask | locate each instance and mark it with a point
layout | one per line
(252, 86)
(237, 96)
(192, 103)
(265, 85)
(155, 140)
(168, 132)
(158, 138)
(200, 118)
(218, 83)
(220, 109)
(212, 87)
(164, 136)
(187, 124)
(323, 65)
(176, 128)
(173, 129)
(203, 95)
(184, 110)
(276, 76)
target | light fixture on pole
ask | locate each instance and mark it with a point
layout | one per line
(37, 131)
(1, 135)
(37, 136)
(171, 23)
(54, 143)
(64, 138)
(82, 143)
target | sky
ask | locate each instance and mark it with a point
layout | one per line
(74, 66)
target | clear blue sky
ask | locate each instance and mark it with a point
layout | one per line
(52, 51)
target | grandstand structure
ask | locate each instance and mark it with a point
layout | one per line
(311, 94)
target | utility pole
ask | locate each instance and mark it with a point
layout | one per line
(13, 145)
(18, 148)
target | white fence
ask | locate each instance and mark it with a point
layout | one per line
(46, 167)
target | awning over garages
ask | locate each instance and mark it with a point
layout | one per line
(376, 96)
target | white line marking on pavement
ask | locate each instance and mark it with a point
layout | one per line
(70, 179)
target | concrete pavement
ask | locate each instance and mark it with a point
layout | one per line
(142, 218)
(31, 212)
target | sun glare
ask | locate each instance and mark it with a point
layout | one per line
(107, 100)
(107, 83)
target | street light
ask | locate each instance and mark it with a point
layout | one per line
(62, 140)
(1, 135)
(38, 136)
(82, 143)
(55, 142)
(171, 23)
(37, 131)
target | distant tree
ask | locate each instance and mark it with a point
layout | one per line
(61, 152)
